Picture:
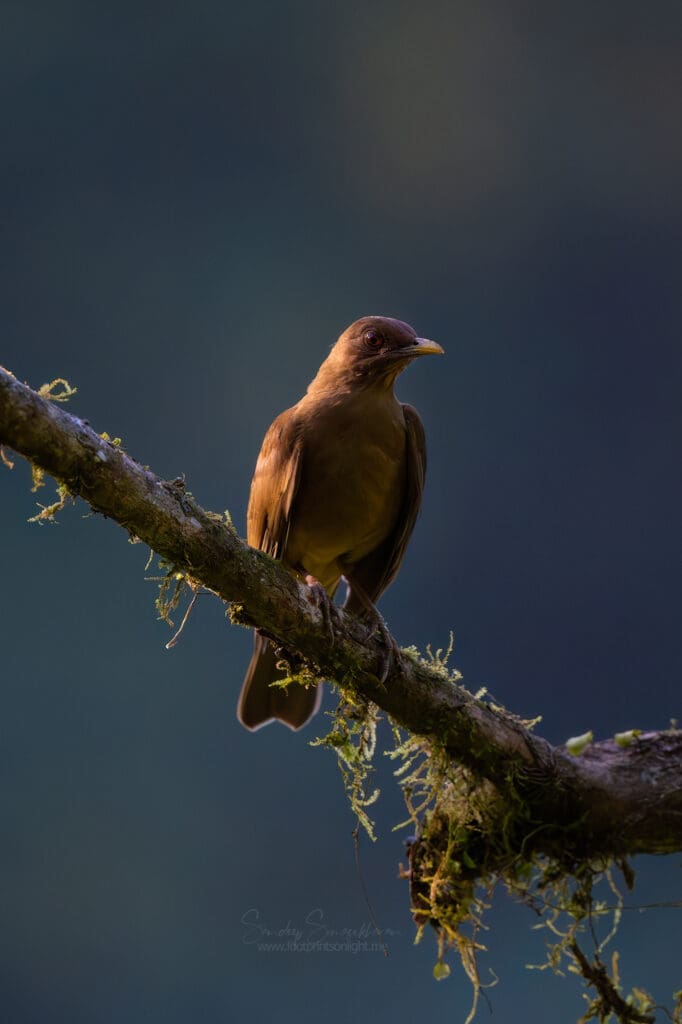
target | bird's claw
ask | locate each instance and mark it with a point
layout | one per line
(369, 612)
(320, 598)
(391, 653)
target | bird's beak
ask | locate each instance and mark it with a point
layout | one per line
(424, 347)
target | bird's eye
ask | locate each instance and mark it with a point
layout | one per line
(373, 339)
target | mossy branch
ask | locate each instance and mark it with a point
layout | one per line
(612, 800)
(490, 800)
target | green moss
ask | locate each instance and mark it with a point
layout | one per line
(48, 512)
(353, 740)
(172, 585)
(237, 616)
(470, 839)
(435, 661)
(49, 390)
(301, 676)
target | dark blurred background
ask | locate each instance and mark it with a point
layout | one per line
(196, 200)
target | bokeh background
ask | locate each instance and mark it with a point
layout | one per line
(196, 200)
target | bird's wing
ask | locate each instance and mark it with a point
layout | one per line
(378, 569)
(274, 485)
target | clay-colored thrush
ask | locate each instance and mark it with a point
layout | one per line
(336, 492)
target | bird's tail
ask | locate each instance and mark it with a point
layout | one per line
(260, 703)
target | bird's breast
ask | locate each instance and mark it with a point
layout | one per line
(352, 485)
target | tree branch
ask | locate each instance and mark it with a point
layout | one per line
(613, 800)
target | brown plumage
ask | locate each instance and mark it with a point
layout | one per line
(337, 490)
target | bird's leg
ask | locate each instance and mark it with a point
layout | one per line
(320, 598)
(358, 596)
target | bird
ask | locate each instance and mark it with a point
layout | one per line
(336, 493)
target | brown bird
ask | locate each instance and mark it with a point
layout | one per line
(336, 493)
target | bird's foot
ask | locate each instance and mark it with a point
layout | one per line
(320, 598)
(359, 601)
(391, 654)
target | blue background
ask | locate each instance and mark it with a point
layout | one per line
(196, 200)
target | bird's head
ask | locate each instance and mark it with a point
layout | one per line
(373, 351)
